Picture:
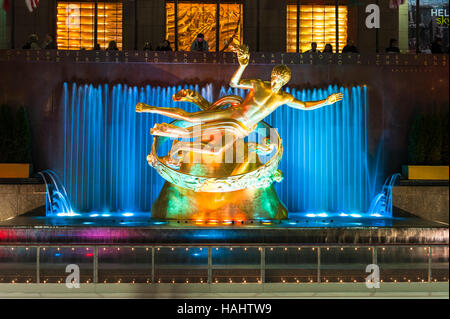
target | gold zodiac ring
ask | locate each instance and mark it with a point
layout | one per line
(261, 177)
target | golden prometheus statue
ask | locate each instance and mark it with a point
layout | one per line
(216, 175)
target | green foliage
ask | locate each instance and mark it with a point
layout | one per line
(15, 140)
(6, 134)
(434, 129)
(428, 140)
(417, 141)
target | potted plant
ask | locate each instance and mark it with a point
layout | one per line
(15, 143)
(428, 148)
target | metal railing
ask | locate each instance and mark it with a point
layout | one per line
(289, 58)
(223, 264)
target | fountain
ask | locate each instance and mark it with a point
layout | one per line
(325, 162)
(340, 217)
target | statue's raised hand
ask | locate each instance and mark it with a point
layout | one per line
(335, 97)
(242, 53)
(139, 107)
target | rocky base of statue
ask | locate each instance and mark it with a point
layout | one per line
(181, 203)
(178, 203)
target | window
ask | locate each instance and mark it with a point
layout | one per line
(3, 38)
(199, 17)
(433, 22)
(75, 28)
(317, 24)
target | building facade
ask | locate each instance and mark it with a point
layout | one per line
(259, 23)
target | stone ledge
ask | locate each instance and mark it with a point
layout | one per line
(17, 199)
(224, 290)
(426, 202)
(13, 181)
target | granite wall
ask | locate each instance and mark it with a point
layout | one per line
(17, 199)
(426, 202)
(264, 25)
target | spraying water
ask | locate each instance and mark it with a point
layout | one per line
(381, 205)
(57, 202)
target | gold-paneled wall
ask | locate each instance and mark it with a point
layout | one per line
(317, 24)
(75, 24)
(195, 18)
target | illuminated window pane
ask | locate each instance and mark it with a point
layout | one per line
(76, 21)
(231, 18)
(317, 24)
(109, 25)
(195, 18)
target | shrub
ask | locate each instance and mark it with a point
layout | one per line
(15, 140)
(444, 128)
(434, 133)
(417, 141)
(428, 140)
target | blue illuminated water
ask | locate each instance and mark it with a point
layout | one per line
(325, 160)
(57, 202)
(325, 163)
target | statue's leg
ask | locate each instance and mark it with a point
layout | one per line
(208, 128)
(179, 114)
(164, 129)
(232, 130)
(210, 148)
(172, 112)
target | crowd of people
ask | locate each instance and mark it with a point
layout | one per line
(436, 47)
(201, 45)
(33, 43)
(348, 48)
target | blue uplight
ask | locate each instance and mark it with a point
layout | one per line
(69, 214)
(127, 214)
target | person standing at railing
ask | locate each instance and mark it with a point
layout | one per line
(49, 44)
(313, 48)
(328, 48)
(112, 46)
(392, 47)
(148, 46)
(32, 43)
(165, 46)
(436, 46)
(350, 47)
(200, 44)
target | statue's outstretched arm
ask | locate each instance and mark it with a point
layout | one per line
(312, 105)
(243, 57)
